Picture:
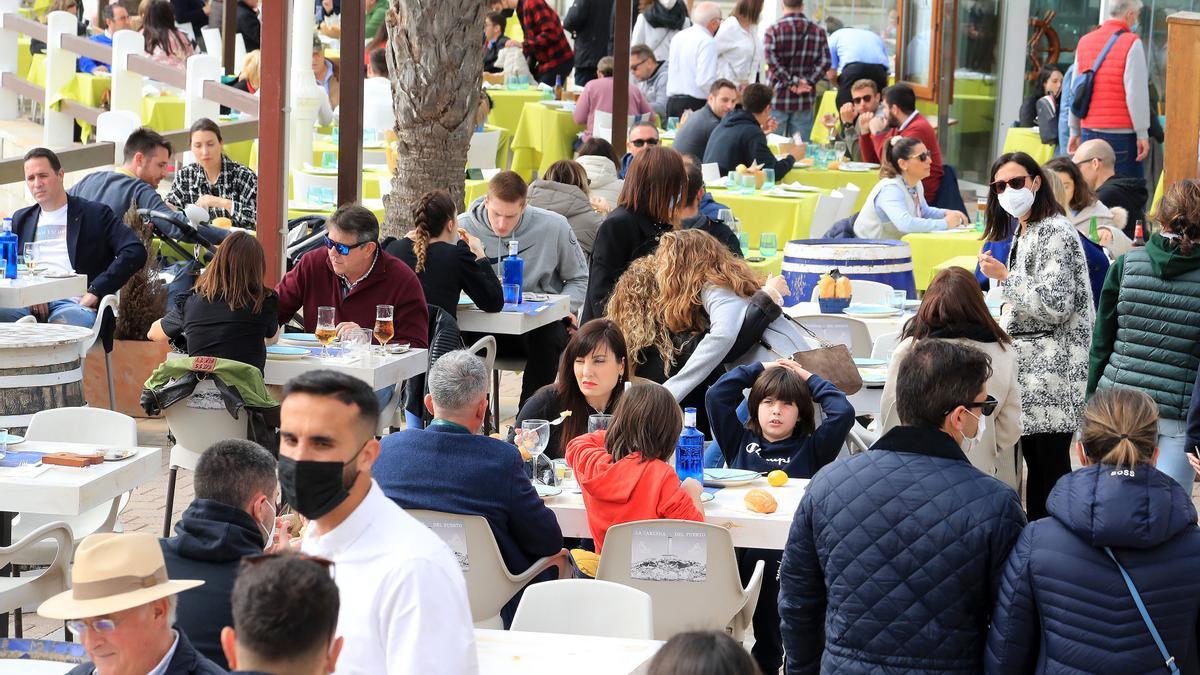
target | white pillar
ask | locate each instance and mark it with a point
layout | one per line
(304, 96)
(8, 62)
(1010, 80)
(126, 84)
(115, 126)
(60, 68)
(201, 68)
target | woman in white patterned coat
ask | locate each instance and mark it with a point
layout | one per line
(1048, 312)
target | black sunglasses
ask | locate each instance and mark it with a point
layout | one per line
(987, 406)
(1015, 183)
(862, 99)
(342, 249)
(644, 141)
(924, 156)
(635, 66)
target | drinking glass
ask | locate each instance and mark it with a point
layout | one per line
(31, 258)
(768, 244)
(899, 298)
(329, 159)
(672, 124)
(598, 422)
(725, 216)
(768, 179)
(839, 150)
(326, 329)
(358, 342)
(980, 211)
(811, 152)
(534, 437)
(744, 243)
(334, 134)
(3, 443)
(384, 329)
(830, 122)
(749, 182)
(512, 294)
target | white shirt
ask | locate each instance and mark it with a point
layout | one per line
(739, 52)
(404, 601)
(693, 63)
(378, 112)
(52, 241)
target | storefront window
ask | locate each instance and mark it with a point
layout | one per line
(919, 36)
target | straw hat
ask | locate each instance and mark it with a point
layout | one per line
(114, 572)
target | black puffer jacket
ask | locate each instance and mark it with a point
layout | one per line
(590, 23)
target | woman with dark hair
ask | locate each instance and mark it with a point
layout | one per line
(1082, 205)
(896, 205)
(602, 165)
(953, 309)
(1147, 334)
(702, 653)
(447, 260)
(215, 182)
(1040, 108)
(1045, 287)
(229, 313)
(563, 189)
(591, 377)
(164, 43)
(655, 188)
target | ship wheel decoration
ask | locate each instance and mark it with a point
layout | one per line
(1044, 46)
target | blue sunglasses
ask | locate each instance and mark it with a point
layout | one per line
(342, 249)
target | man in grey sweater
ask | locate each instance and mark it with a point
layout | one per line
(692, 137)
(554, 264)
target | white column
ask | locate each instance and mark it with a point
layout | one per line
(8, 62)
(1010, 80)
(126, 84)
(115, 126)
(201, 68)
(60, 68)
(304, 95)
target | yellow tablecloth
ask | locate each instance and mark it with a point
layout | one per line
(472, 190)
(828, 105)
(24, 56)
(296, 211)
(789, 218)
(771, 266)
(930, 249)
(543, 136)
(827, 179)
(163, 113)
(1020, 139)
(512, 29)
(1158, 195)
(90, 90)
(507, 105)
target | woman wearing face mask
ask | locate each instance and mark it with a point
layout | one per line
(896, 205)
(1047, 294)
(953, 309)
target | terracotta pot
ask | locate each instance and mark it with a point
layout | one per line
(132, 363)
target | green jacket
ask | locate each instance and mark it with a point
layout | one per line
(374, 18)
(247, 379)
(1147, 332)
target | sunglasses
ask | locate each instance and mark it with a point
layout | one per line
(1015, 183)
(987, 406)
(639, 64)
(924, 156)
(644, 141)
(862, 99)
(343, 249)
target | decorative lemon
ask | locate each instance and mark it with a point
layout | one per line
(777, 478)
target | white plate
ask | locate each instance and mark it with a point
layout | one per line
(118, 455)
(871, 311)
(869, 363)
(858, 167)
(706, 497)
(797, 187)
(286, 353)
(786, 194)
(58, 275)
(14, 439)
(729, 477)
(306, 206)
(320, 170)
(545, 491)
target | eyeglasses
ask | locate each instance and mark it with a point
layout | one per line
(1084, 161)
(1015, 183)
(342, 249)
(923, 157)
(639, 64)
(81, 626)
(644, 141)
(862, 99)
(987, 406)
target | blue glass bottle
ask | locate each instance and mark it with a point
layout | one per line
(514, 274)
(8, 250)
(689, 450)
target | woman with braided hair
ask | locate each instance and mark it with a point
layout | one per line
(447, 260)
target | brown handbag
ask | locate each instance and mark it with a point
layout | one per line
(830, 361)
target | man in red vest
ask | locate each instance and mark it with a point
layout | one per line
(1120, 107)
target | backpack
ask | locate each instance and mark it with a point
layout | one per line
(1085, 80)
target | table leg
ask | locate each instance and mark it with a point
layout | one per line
(6, 518)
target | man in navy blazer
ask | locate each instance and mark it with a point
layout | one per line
(72, 235)
(450, 467)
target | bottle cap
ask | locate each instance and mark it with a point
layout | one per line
(689, 417)
(512, 247)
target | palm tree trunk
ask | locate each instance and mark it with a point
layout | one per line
(435, 61)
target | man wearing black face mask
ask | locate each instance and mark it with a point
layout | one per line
(404, 600)
(233, 516)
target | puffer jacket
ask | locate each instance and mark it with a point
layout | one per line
(893, 560)
(1063, 607)
(571, 203)
(603, 180)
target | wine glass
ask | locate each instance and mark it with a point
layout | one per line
(598, 422)
(830, 122)
(534, 437)
(839, 151)
(31, 258)
(326, 329)
(384, 328)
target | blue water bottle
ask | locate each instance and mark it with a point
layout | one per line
(8, 250)
(514, 275)
(689, 450)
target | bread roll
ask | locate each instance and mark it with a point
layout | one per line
(759, 500)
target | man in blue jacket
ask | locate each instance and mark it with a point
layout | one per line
(895, 555)
(72, 235)
(741, 138)
(449, 467)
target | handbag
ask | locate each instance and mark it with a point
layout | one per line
(830, 361)
(1083, 87)
(1168, 660)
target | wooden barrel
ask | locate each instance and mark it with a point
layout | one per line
(805, 260)
(40, 368)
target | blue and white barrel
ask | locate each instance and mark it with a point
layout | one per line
(805, 260)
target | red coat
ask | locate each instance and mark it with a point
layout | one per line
(626, 490)
(313, 283)
(920, 128)
(1108, 109)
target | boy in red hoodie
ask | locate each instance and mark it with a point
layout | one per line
(623, 472)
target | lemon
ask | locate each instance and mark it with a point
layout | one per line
(777, 478)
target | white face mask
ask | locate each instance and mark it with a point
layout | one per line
(269, 533)
(969, 442)
(1016, 202)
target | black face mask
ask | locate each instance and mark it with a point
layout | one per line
(315, 488)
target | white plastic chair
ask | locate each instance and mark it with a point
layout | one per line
(825, 214)
(884, 346)
(95, 426)
(302, 181)
(489, 583)
(719, 602)
(484, 347)
(860, 439)
(482, 152)
(37, 585)
(585, 607)
(865, 291)
(28, 318)
(212, 40)
(196, 423)
(850, 195)
(107, 303)
(841, 330)
(513, 364)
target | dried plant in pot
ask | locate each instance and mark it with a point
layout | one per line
(144, 297)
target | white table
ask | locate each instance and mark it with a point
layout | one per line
(26, 291)
(472, 320)
(728, 509)
(377, 371)
(876, 326)
(510, 652)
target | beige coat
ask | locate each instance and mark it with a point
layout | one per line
(996, 453)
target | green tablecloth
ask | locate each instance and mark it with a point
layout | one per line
(507, 105)
(543, 136)
(788, 217)
(930, 249)
(1020, 139)
(836, 179)
(163, 113)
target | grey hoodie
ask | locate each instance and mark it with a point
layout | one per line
(554, 262)
(571, 203)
